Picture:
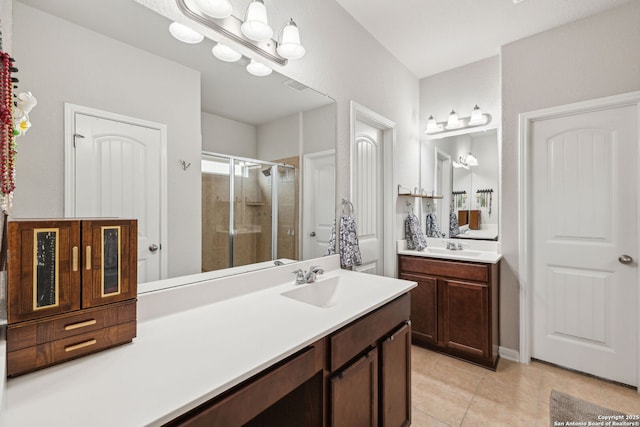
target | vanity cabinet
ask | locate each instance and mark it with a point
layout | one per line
(72, 287)
(370, 363)
(455, 307)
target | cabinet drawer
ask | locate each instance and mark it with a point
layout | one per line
(357, 337)
(446, 268)
(53, 352)
(29, 334)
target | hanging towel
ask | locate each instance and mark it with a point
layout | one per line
(454, 229)
(433, 228)
(349, 249)
(413, 233)
(331, 247)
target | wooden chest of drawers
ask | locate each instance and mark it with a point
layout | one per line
(72, 287)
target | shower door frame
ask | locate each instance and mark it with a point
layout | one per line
(274, 198)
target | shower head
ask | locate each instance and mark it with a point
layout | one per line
(266, 172)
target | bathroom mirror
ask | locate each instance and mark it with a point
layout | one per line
(464, 170)
(118, 56)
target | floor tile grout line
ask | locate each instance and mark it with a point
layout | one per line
(432, 416)
(473, 396)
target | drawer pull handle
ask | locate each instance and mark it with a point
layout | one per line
(81, 345)
(87, 258)
(80, 325)
(75, 258)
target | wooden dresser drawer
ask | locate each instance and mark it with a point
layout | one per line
(446, 268)
(358, 336)
(32, 333)
(53, 352)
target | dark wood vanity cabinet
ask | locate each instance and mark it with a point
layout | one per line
(370, 362)
(72, 287)
(358, 376)
(454, 308)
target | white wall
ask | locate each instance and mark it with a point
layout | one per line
(61, 62)
(319, 129)
(592, 58)
(279, 139)
(345, 62)
(227, 136)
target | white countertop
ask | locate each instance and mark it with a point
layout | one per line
(477, 251)
(193, 343)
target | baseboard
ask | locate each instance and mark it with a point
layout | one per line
(509, 354)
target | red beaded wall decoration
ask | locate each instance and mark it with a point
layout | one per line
(7, 137)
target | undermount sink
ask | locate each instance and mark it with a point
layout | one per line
(460, 252)
(323, 293)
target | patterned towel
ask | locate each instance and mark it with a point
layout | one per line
(433, 228)
(454, 229)
(349, 249)
(413, 233)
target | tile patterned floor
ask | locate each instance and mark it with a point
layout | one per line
(447, 392)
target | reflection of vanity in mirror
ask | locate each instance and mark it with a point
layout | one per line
(272, 134)
(464, 169)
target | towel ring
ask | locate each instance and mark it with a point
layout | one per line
(349, 205)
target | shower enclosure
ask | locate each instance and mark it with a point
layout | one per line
(249, 211)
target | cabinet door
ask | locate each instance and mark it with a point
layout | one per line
(43, 269)
(109, 270)
(395, 373)
(424, 308)
(465, 314)
(354, 393)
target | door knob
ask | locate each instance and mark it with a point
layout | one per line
(625, 259)
(153, 247)
(312, 234)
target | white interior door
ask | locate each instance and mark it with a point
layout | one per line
(118, 174)
(319, 210)
(368, 196)
(584, 213)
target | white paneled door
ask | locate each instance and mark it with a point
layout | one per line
(584, 241)
(320, 187)
(367, 196)
(118, 174)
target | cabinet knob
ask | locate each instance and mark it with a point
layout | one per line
(153, 247)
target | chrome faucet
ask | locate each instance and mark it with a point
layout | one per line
(452, 246)
(303, 277)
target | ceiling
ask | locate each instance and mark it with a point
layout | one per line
(431, 36)
(227, 89)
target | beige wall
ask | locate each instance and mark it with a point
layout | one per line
(61, 62)
(592, 58)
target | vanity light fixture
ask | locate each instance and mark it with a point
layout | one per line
(225, 53)
(254, 33)
(219, 9)
(256, 26)
(289, 46)
(466, 161)
(477, 118)
(258, 69)
(185, 34)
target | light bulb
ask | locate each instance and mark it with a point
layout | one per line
(258, 69)
(477, 118)
(225, 53)
(289, 46)
(255, 25)
(215, 8)
(184, 33)
(453, 122)
(432, 125)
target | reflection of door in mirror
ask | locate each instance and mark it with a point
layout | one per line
(442, 187)
(319, 192)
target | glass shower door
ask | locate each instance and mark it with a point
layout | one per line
(287, 213)
(252, 213)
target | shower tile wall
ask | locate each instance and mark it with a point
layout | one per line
(215, 222)
(288, 209)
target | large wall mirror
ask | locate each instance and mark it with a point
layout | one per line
(244, 154)
(463, 170)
